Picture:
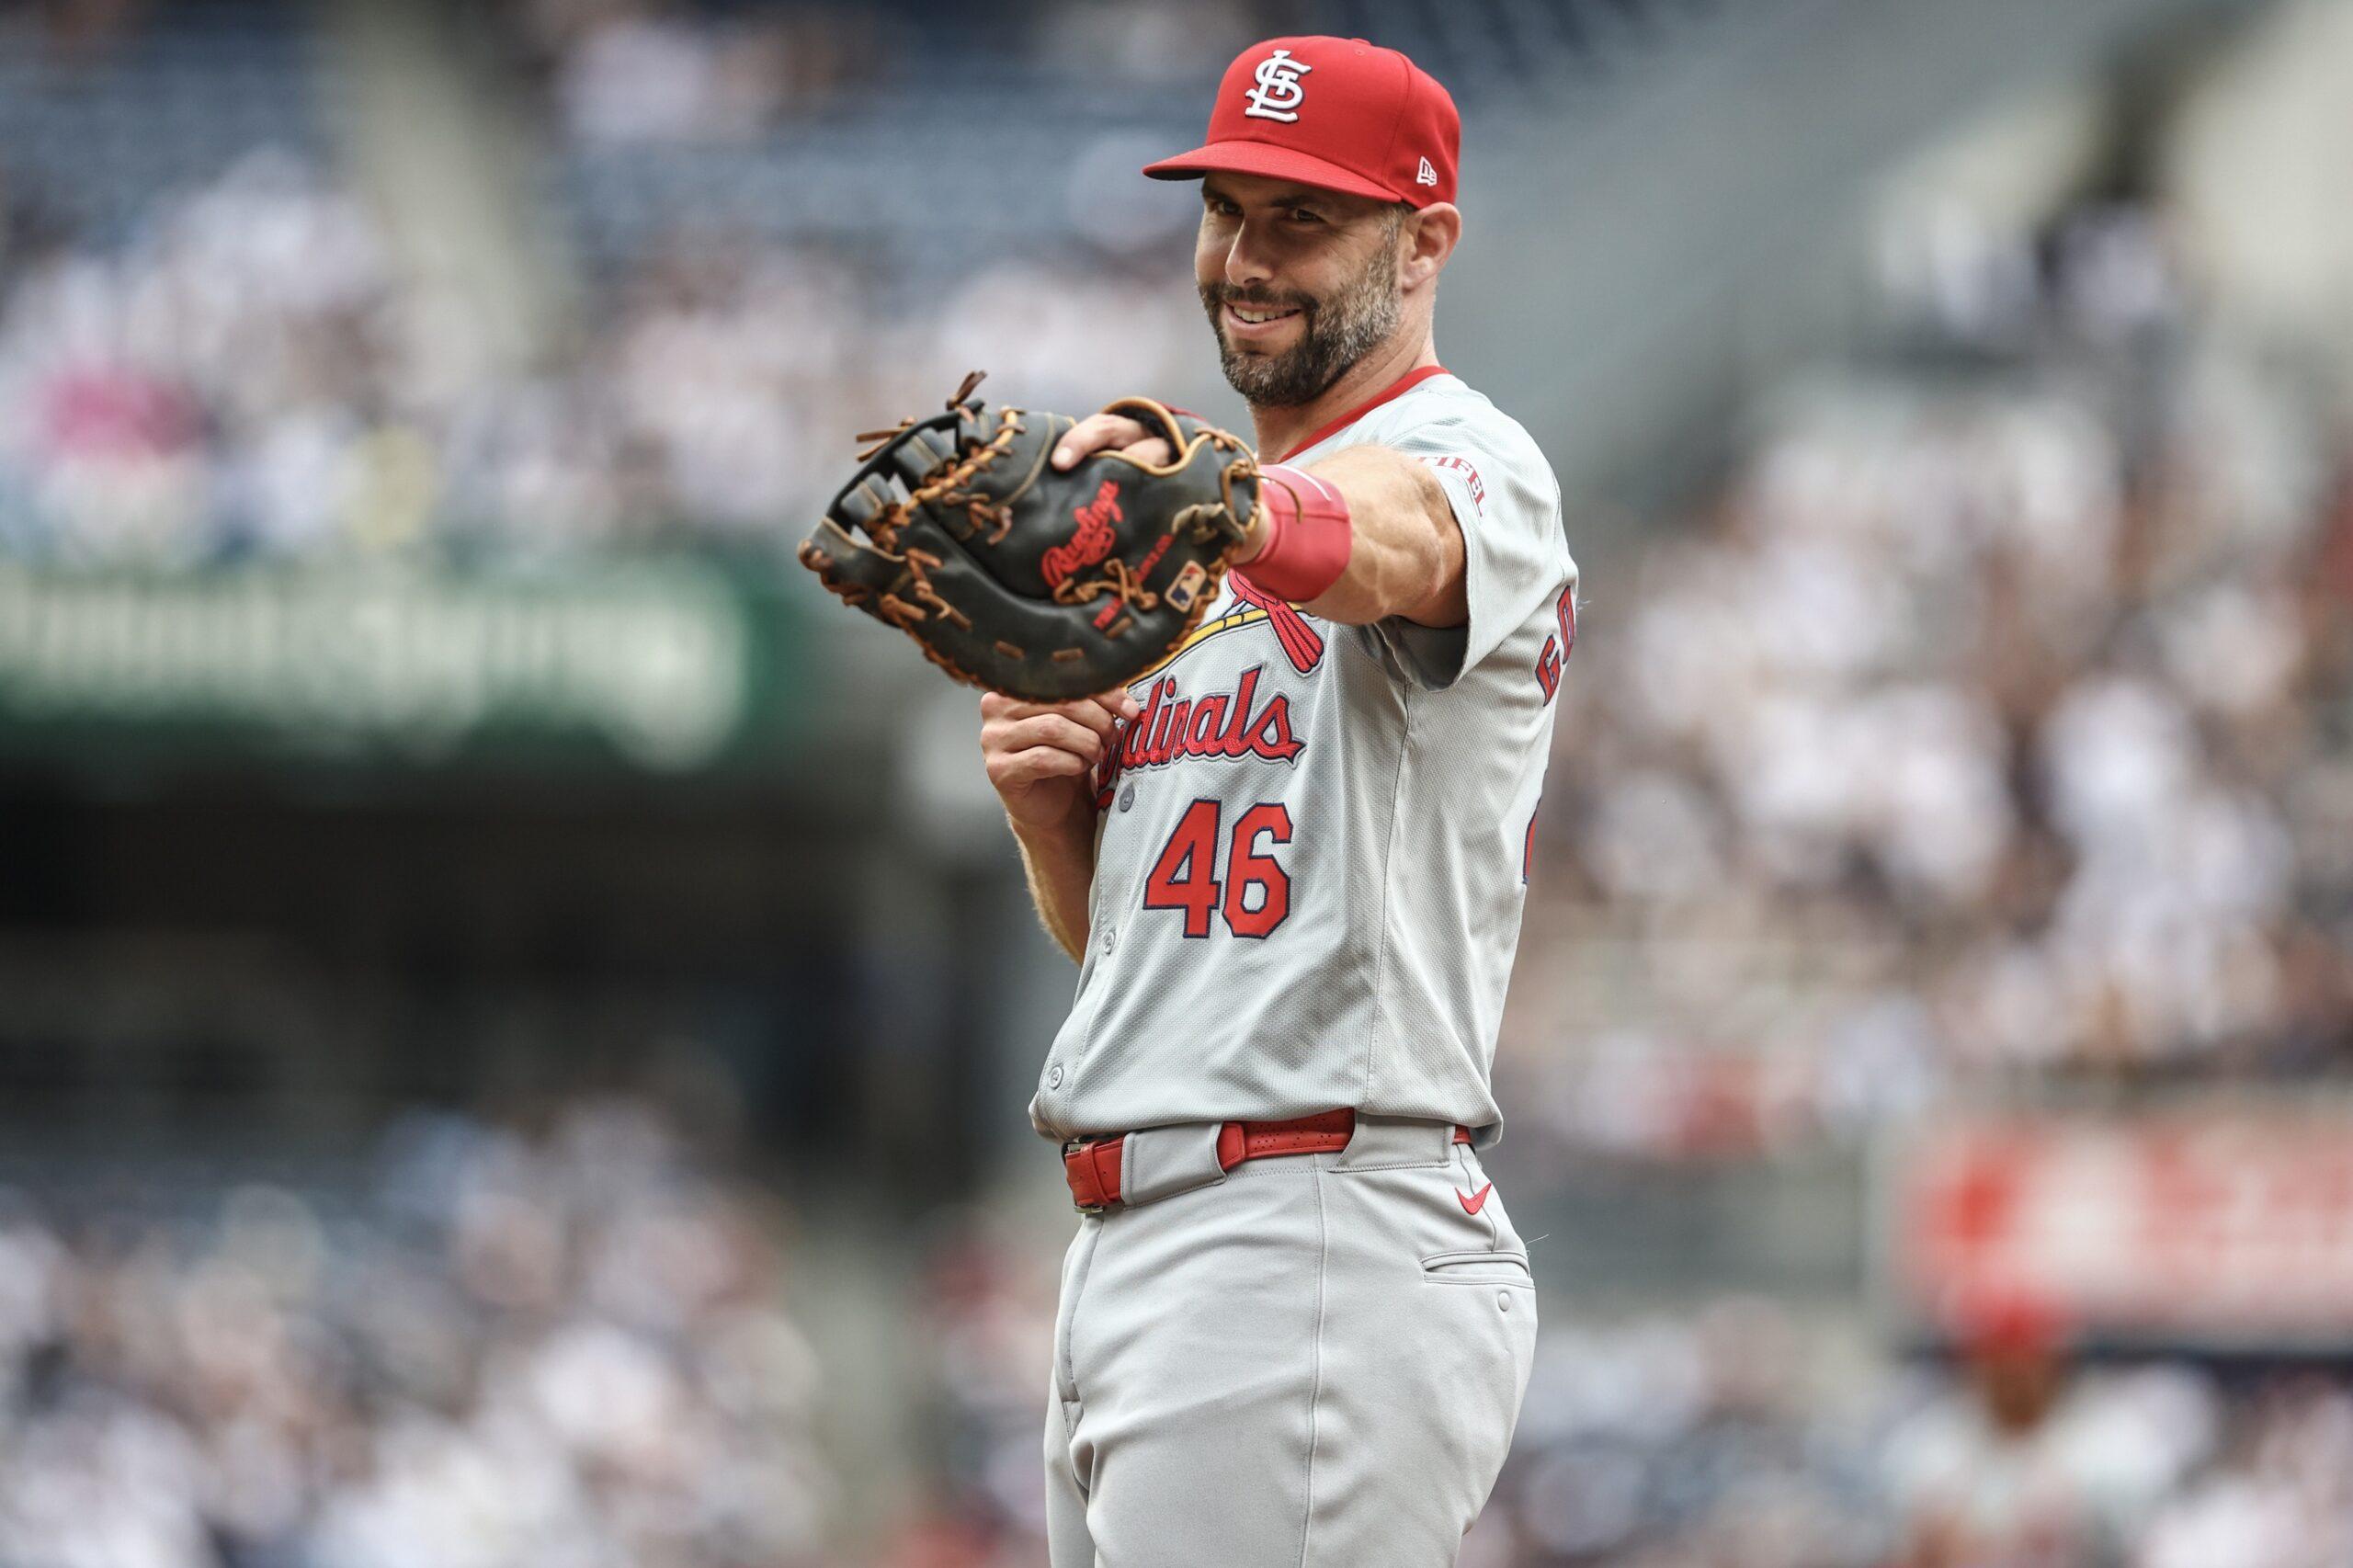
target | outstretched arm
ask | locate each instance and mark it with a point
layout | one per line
(1404, 555)
(1405, 550)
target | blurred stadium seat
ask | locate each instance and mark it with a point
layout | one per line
(103, 126)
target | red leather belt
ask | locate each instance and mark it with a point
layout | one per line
(1093, 1164)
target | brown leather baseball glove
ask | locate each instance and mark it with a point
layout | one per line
(1042, 584)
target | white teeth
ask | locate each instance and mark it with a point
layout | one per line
(1261, 316)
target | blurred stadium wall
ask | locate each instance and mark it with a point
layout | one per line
(515, 1014)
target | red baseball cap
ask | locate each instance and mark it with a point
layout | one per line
(1338, 113)
(1994, 1320)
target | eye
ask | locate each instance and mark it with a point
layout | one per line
(1305, 215)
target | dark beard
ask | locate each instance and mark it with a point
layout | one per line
(1334, 333)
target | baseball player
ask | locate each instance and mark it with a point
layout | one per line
(1296, 1321)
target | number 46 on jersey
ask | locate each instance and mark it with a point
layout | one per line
(1207, 873)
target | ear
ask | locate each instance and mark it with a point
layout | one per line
(1430, 236)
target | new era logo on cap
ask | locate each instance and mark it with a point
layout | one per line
(1370, 122)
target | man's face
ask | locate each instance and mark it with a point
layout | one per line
(1316, 269)
(2018, 1385)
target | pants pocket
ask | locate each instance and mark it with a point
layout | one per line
(1507, 1269)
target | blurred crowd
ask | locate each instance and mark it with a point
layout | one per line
(256, 366)
(1745, 1433)
(1727, 1439)
(250, 376)
(631, 70)
(552, 1350)
(1991, 727)
(653, 72)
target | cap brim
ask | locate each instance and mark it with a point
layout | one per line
(1271, 162)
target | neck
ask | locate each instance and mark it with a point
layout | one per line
(1277, 428)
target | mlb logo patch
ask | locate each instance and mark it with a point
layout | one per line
(1187, 587)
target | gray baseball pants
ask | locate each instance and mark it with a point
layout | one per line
(1310, 1361)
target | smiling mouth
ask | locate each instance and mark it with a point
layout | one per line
(1251, 315)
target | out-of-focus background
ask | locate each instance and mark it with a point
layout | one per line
(515, 1013)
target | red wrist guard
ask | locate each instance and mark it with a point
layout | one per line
(1308, 535)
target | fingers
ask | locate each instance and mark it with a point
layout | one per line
(1096, 711)
(1044, 729)
(1026, 745)
(1110, 432)
(1011, 770)
(1013, 732)
(1110, 706)
(1093, 434)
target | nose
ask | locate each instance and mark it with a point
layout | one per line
(1246, 265)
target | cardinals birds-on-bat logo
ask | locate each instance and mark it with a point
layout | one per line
(1301, 643)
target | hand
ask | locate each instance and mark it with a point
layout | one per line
(1110, 433)
(1039, 754)
(1117, 432)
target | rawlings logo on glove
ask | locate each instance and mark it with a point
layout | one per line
(1093, 540)
(1040, 585)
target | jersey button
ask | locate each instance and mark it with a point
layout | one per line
(1110, 938)
(1127, 798)
(1054, 1077)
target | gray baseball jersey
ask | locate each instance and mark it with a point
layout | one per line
(1313, 849)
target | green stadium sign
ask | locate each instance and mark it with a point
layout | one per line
(668, 664)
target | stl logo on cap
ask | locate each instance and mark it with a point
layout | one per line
(1384, 128)
(1279, 91)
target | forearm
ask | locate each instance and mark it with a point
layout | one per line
(1060, 863)
(1405, 553)
(1039, 756)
